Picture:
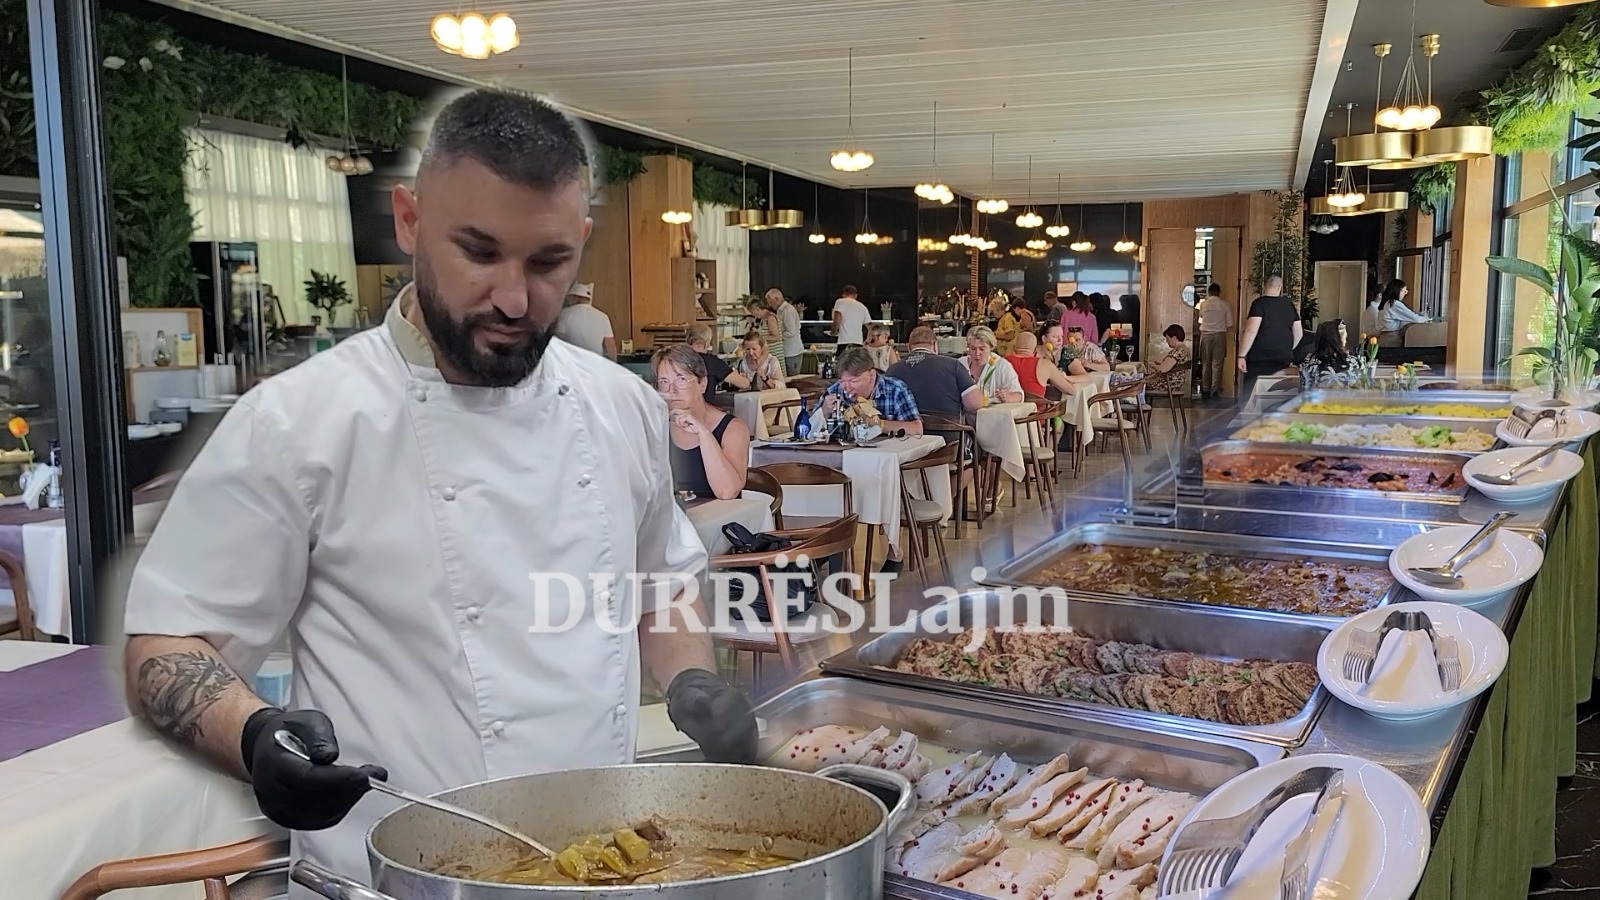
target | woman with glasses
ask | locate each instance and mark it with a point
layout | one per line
(710, 449)
(995, 377)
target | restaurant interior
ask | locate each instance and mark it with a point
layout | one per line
(1195, 398)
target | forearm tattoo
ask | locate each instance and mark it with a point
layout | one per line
(178, 688)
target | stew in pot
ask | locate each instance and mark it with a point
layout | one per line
(639, 855)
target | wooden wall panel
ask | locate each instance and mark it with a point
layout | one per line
(667, 183)
(1195, 212)
(1467, 309)
(606, 261)
(1169, 258)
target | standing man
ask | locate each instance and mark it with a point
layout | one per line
(1216, 321)
(412, 505)
(787, 333)
(1053, 308)
(850, 318)
(581, 325)
(1271, 332)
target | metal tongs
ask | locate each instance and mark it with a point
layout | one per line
(1523, 421)
(1362, 651)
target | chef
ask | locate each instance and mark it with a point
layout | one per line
(407, 507)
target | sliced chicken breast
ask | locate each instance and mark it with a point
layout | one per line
(938, 785)
(1147, 849)
(1124, 884)
(1002, 774)
(926, 856)
(1040, 801)
(1148, 819)
(900, 753)
(855, 753)
(817, 748)
(977, 847)
(1069, 805)
(1079, 879)
(1125, 799)
(1029, 783)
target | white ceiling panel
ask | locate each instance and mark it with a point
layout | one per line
(1125, 99)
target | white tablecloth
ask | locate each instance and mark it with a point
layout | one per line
(748, 404)
(753, 511)
(44, 562)
(1077, 412)
(997, 432)
(875, 485)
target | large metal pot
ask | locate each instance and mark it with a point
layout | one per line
(836, 829)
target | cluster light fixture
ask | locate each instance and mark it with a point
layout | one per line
(474, 35)
(850, 157)
(935, 191)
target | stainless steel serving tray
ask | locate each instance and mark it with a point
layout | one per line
(1217, 633)
(1457, 426)
(1023, 570)
(1306, 451)
(1485, 399)
(1187, 762)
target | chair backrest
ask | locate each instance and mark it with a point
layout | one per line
(762, 482)
(948, 455)
(799, 474)
(210, 866)
(835, 537)
(1119, 392)
(22, 619)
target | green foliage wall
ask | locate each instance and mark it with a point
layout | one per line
(152, 85)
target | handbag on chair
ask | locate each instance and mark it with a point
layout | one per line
(800, 596)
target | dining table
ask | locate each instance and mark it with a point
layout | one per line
(996, 430)
(708, 515)
(875, 483)
(1076, 411)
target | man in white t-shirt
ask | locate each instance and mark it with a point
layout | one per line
(850, 318)
(791, 348)
(581, 325)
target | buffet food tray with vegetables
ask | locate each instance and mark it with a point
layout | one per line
(1012, 802)
(1169, 668)
(1201, 569)
(1407, 433)
(1365, 471)
(1481, 405)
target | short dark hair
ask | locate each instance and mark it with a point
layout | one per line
(521, 139)
(682, 358)
(849, 291)
(1215, 289)
(854, 361)
(1174, 331)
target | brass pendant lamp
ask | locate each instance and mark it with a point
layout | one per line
(744, 216)
(1379, 149)
(781, 218)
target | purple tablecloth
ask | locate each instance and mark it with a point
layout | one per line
(50, 701)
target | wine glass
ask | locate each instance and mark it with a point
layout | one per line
(1127, 352)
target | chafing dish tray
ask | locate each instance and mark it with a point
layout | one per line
(1321, 462)
(1488, 401)
(1193, 763)
(1031, 568)
(1217, 634)
(1457, 427)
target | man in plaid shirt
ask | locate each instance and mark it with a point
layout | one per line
(858, 378)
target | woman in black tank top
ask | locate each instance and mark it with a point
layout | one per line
(710, 449)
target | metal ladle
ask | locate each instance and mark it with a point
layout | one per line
(292, 744)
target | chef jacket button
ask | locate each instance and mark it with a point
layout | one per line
(583, 481)
(563, 389)
(621, 710)
(448, 493)
(420, 395)
(499, 728)
(603, 597)
(472, 614)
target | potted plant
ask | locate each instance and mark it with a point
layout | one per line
(1569, 359)
(327, 292)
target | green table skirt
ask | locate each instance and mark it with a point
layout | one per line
(1501, 819)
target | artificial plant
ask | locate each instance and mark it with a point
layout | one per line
(1284, 254)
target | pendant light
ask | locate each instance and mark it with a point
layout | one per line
(474, 35)
(1380, 149)
(744, 216)
(851, 158)
(350, 162)
(1029, 218)
(866, 235)
(1058, 229)
(1082, 244)
(962, 236)
(1345, 194)
(816, 237)
(1125, 245)
(937, 191)
(1319, 206)
(1410, 110)
(781, 218)
(992, 207)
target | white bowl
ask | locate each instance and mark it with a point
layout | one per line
(1405, 680)
(1580, 424)
(174, 402)
(169, 427)
(1541, 480)
(139, 432)
(1508, 562)
(1537, 397)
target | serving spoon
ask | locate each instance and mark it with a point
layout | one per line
(1448, 574)
(293, 744)
(1511, 475)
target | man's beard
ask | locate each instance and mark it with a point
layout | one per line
(453, 339)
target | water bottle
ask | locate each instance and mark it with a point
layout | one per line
(53, 498)
(827, 368)
(802, 425)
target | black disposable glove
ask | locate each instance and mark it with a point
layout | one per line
(300, 795)
(715, 714)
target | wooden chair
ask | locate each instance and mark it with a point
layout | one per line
(799, 474)
(922, 517)
(211, 867)
(761, 481)
(1113, 398)
(1041, 453)
(963, 434)
(782, 637)
(20, 618)
(1178, 402)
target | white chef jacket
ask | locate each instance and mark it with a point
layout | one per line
(391, 522)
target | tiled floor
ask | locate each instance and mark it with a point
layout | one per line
(1576, 873)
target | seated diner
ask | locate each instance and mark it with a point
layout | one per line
(710, 448)
(995, 377)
